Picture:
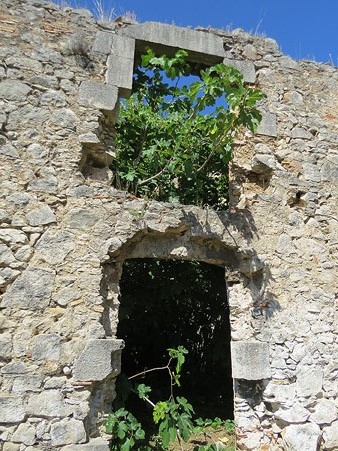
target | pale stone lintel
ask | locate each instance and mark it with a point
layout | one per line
(163, 35)
(250, 360)
(97, 95)
(99, 359)
(246, 68)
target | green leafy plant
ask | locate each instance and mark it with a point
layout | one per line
(173, 142)
(174, 416)
(216, 423)
(126, 431)
(206, 426)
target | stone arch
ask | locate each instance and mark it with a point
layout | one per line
(173, 233)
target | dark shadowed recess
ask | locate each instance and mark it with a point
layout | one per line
(168, 303)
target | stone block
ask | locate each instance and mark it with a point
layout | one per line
(301, 437)
(103, 42)
(36, 152)
(11, 409)
(7, 275)
(46, 347)
(309, 381)
(95, 444)
(99, 359)
(120, 72)
(123, 46)
(10, 446)
(26, 383)
(330, 435)
(13, 236)
(329, 169)
(14, 368)
(81, 218)
(6, 255)
(268, 125)
(275, 393)
(64, 118)
(46, 184)
(311, 172)
(31, 290)
(89, 138)
(9, 151)
(325, 412)
(294, 414)
(285, 245)
(14, 90)
(265, 164)
(246, 68)
(49, 403)
(202, 47)
(24, 434)
(67, 431)
(301, 133)
(97, 95)
(4, 216)
(250, 360)
(54, 246)
(40, 216)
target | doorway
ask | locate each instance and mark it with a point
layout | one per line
(169, 303)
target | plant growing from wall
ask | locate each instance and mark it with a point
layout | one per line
(174, 416)
(173, 143)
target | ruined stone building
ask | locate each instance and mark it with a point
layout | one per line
(65, 232)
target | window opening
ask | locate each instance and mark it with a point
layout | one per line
(174, 138)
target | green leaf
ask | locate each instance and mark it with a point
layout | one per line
(127, 445)
(109, 424)
(164, 432)
(139, 434)
(159, 411)
(142, 390)
(146, 58)
(121, 431)
(184, 428)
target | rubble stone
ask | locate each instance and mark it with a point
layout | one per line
(32, 290)
(330, 434)
(302, 437)
(67, 431)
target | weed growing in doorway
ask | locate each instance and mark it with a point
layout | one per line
(173, 418)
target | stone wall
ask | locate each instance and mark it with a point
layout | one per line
(65, 232)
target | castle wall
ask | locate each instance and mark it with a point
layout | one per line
(65, 232)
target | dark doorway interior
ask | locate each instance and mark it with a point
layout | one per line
(167, 303)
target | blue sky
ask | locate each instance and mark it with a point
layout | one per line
(303, 28)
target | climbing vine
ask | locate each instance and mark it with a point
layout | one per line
(174, 141)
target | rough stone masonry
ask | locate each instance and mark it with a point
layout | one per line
(65, 231)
